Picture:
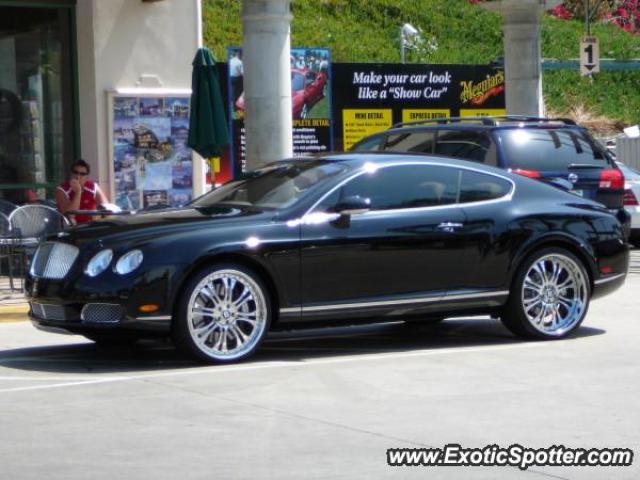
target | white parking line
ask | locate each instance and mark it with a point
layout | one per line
(277, 364)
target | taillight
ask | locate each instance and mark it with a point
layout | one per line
(526, 173)
(611, 179)
(629, 198)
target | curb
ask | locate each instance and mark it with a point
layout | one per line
(14, 313)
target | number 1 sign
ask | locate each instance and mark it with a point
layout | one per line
(589, 56)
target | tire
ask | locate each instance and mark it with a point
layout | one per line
(236, 316)
(112, 340)
(549, 295)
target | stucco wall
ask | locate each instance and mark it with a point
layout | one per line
(118, 42)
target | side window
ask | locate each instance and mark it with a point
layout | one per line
(370, 145)
(476, 187)
(417, 142)
(402, 186)
(467, 145)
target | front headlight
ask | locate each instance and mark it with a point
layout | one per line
(129, 262)
(99, 262)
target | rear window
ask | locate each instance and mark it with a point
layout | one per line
(469, 145)
(416, 142)
(548, 150)
(368, 144)
(478, 187)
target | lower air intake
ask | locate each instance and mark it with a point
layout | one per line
(102, 313)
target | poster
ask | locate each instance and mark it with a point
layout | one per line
(374, 97)
(152, 163)
(310, 102)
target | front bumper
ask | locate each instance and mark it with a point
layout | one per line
(110, 302)
(73, 318)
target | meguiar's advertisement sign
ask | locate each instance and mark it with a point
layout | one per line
(368, 98)
(335, 105)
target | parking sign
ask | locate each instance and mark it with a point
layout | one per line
(589, 56)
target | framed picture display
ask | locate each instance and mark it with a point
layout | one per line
(151, 164)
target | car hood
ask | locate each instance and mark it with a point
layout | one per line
(163, 222)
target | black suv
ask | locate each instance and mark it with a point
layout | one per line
(553, 150)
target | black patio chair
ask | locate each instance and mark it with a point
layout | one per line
(7, 207)
(30, 224)
(6, 250)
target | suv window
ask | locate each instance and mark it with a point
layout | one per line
(417, 142)
(468, 145)
(369, 145)
(542, 149)
(476, 187)
(402, 186)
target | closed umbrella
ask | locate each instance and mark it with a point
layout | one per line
(207, 124)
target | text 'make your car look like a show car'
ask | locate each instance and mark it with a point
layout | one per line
(334, 239)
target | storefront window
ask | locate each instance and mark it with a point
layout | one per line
(36, 100)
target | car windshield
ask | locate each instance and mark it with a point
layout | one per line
(297, 82)
(275, 186)
(550, 149)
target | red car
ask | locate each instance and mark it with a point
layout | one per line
(307, 89)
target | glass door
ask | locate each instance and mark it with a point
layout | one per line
(36, 99)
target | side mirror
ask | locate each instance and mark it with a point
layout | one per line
(353, 205)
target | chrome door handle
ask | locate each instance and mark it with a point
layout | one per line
(449, 226)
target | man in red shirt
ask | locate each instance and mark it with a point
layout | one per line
(79, 193)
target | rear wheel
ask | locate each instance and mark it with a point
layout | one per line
(223, 314)
(549, 295)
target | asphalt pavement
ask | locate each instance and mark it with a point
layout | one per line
(323, 404)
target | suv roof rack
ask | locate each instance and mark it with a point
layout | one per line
(488, 121)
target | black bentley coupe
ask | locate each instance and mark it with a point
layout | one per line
(333, 239)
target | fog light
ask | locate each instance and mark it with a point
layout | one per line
(149, 308)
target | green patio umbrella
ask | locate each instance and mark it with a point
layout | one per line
(207, 124)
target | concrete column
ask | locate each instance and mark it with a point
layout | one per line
(522, 53)
(267, 80)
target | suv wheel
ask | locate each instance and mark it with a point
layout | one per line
(549, 295)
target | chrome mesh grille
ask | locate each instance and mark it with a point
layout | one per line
(49, 312)
(53, 260)
(101, 313)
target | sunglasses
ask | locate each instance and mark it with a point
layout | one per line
(82, 174)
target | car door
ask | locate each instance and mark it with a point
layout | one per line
(485, 200)
(406, 246)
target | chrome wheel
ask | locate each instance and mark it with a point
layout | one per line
(227, 314)
(555, 294)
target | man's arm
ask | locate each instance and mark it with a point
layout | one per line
(64, 203)
(101, 198)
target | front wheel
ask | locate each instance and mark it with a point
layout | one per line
(223, 314)
(549, 295)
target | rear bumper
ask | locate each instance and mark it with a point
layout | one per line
(606, 285)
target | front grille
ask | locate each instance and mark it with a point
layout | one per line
(101, 313)
(49, 312)
(53, 260)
